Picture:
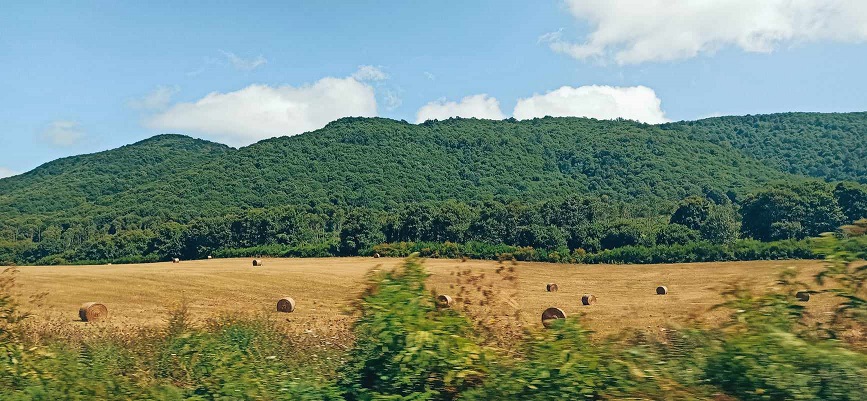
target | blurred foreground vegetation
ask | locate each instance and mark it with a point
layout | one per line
(406, 348)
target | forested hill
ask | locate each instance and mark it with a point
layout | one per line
(75, 184)
(829, 146)
(383, 163)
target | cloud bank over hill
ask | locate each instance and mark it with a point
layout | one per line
(603, 102)
(262, 111)
(638, 103)
(478, 106)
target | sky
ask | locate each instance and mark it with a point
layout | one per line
(81, 77)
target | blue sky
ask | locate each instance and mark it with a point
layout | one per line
(79, 77)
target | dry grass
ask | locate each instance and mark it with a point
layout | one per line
(139, 296)
(626, 294)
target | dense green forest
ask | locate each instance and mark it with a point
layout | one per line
(829, 146)
(555, 189)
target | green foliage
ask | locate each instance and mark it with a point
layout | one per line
(561, 363)
(765, 355)
(828, 146)
(692, 212)
(845, 267)
(405, 348)
(791, 211)
(852, 198)
(721, 226)
(676, 234)
(239, 362)
(379, 163)
(780, 366)
(550, 184)
(360, 233)
(700, 251)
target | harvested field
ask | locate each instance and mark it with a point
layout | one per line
(140, 295)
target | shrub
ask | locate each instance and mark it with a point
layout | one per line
(776, 365)
(561, 363)
(407, 349)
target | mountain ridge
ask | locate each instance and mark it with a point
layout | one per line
(381, 163)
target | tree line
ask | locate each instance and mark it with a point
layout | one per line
(709, 226)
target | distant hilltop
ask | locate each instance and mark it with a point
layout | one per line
(378, 162)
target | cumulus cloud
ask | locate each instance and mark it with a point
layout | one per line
(262, 111)
(5, 172)
(158, 99)
(242, 63)
(603, 102)
(63, 133)
(635, 31)
(478, 106)
(369, 73)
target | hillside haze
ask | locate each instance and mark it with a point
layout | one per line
(382, 163)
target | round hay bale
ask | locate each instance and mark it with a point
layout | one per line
(176, 260)
(551, 314)
(376, 255)
(92, 312)
(802, 296)
(588, 299)
(444, 301)
(552, 287)
(210, 257)
(661, 290)
(286, 305)
(257, 262)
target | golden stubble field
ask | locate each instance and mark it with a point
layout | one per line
(140, 296)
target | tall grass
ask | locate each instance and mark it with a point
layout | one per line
(405, 348)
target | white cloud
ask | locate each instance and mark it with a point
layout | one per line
(478, 106)
(635, 31)
(549, 37)
(369, 73)
(244, 64)
(5, 172)
(392, 99)
(429, 76)
(63, 133)
(602, 102)
(158, 99)
(261, 111)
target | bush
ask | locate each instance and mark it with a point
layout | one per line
(405, 348)
(279, 251)
(706, 252)
(781, 366)
(676, 234)
(561, 363)
(239, 361)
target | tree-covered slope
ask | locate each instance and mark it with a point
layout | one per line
(560, 186)
(382, 163)
(828, 146)
(74, 184)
